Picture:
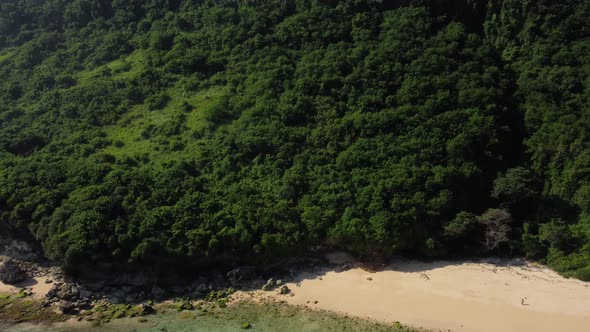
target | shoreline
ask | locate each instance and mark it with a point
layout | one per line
(464, 296)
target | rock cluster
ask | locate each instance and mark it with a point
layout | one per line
(70, 297)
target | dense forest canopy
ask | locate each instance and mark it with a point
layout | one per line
(168, 132)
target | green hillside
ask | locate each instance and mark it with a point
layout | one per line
(169, 133)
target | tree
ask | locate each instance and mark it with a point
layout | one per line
(496, 223)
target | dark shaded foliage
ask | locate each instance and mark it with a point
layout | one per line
(425, 128)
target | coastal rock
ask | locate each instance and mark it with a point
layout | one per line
(68, 292)
(146, 310)
(235, 276)
(68, 308)
(84, 305)
(16, 249)
(85, 294)
(158, 293)
(11, 273)
(95, 286)
(241, 275)
(269, 285)
(202, 289)
(178, 290)
(284, 290)
(137, 280)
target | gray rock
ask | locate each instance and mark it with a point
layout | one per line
(269, 285)
(241, 275)
(74, 290)
(137, 280)
(178, 290)
(202, 289)
(84, 304)
(11, 273)
(158, 293)
(68, 308)
(235, 276)
(95, 286)
(284, 290)
(146, 310)
(16, 249)
(119, 293)
(85, 294)
(115, 300)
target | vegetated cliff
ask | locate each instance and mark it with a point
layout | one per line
(171, 132)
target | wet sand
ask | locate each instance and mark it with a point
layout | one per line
(444, 295)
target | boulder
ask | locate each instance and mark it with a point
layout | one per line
(146, 310)
(17, 249)
(85, 294)
(74, 291)
(202, 289)
(178, 290)
(11, 273)
(241, 275)
(127, 289)
(84, 305)
(67, 292)
(235, 276)
(95, 286)
(284, 290)
(269, 285)
(68, 308)
(137, 280)
(158, 293)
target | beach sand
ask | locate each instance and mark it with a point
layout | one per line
(446, 295)
(39, 287)
(464, 296)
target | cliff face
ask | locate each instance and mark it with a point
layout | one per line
(17, 249)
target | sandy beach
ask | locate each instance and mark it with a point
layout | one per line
(39, 287)
(476, 296)
(491, 296)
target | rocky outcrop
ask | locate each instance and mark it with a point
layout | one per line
(11, 272)
(16, 249)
